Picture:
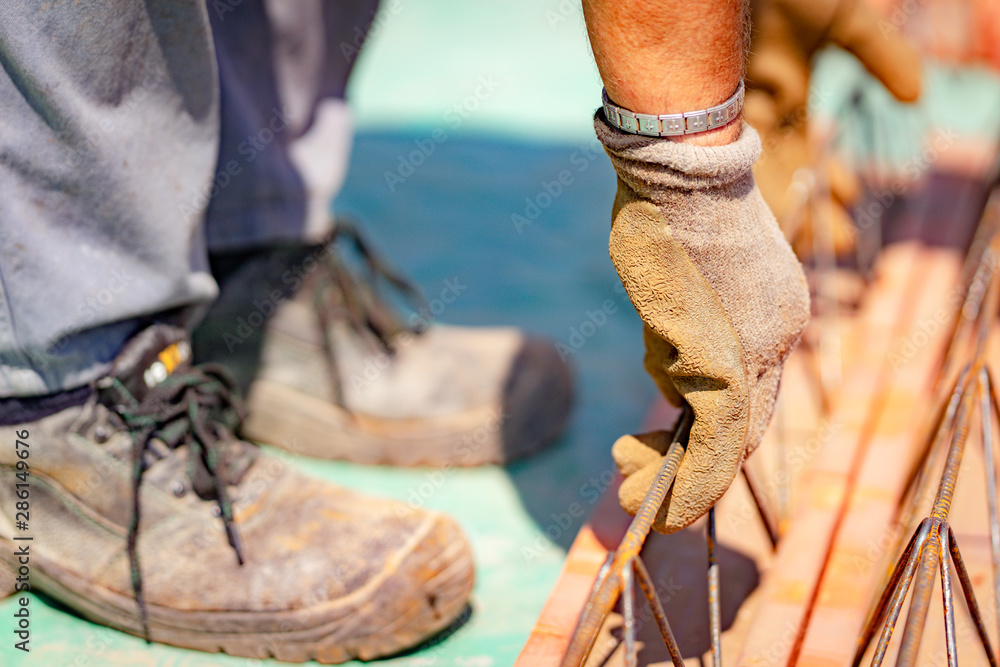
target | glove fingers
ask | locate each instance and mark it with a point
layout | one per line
(634, 452)
(709, 467)
(700, 483)
(659, 354)
(633, 489)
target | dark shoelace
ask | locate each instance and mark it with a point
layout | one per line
(360, 298)
(365, 307)
(194, 407)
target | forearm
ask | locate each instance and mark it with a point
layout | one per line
(668, 56)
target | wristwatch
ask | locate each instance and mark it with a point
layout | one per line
(673, 124)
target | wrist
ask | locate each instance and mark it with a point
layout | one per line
(690, 122)
(720, 136)
(654, 167)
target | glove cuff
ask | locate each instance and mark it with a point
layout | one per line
(652, 166)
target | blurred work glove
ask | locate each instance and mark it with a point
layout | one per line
(786, 36)
(723, 299)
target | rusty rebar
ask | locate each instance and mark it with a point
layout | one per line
(904, 577)
(985, 387)
(970, 597)
(968, 314)
(920, 603)
(608, 586)
(930, 548)
(917, 482)
(936, 441)
(923, 465)
(766, 518)
(714, 604)
(646, 584)
(916, 617)
(947, 600)
(878, 614)
(982, 256)
(628, 611)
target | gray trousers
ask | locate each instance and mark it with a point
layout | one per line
(135, 135)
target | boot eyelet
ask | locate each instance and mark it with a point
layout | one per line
(179, 488)
(101, 435)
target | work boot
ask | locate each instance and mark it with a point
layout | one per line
(339, 372)
(144, 513)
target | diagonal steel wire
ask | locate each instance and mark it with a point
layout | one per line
(609, 583)
(624, 568)
(934, 544)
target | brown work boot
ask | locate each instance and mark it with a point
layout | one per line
(144, 513)
(344, 375)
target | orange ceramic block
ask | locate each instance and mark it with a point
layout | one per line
(790, 587)
(865, 541)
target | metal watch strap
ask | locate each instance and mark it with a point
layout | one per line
(673, 124)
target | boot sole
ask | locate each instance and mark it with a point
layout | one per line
(536, 408)
(309, 426)
(369, 623)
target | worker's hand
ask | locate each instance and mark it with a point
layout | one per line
(786, 36)
(723, 298)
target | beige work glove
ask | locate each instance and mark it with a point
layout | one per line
(723, 298)
(786, 35)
